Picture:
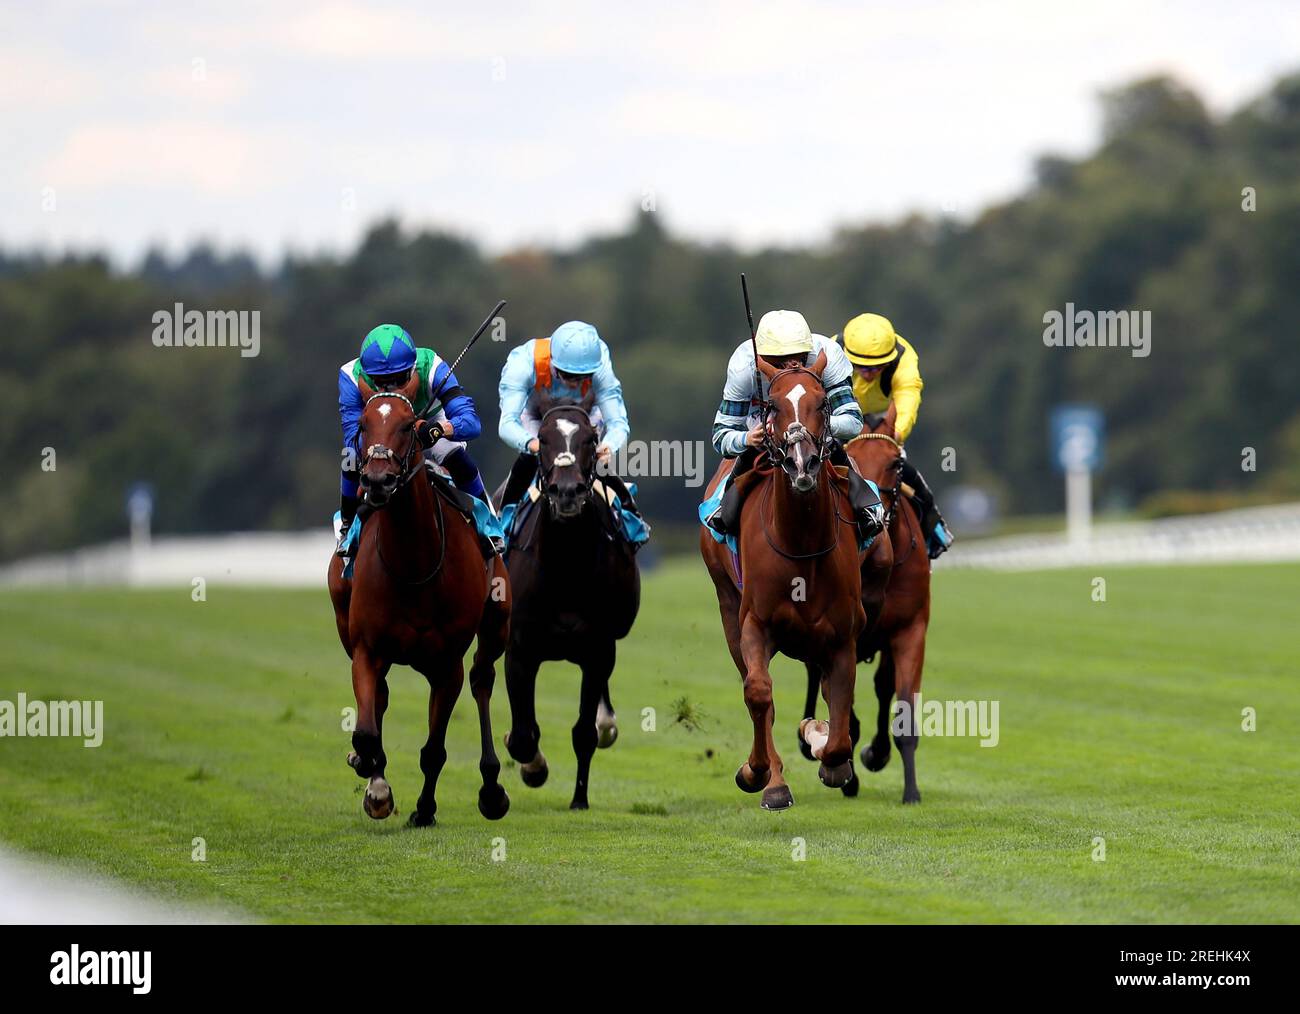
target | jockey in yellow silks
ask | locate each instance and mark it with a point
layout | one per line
(886, 368)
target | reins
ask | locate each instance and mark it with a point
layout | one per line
(893, 491)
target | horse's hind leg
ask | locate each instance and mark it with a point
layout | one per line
(875, 755)
(524, 738)
(809, 707)
(837, 687)
(493, 630)
(596, 670)
(909, 656)
(444, 688)
(367, 759)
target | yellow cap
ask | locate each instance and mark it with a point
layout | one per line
(783, 333)
(869, 340)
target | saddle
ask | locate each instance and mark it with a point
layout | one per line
(462, 503)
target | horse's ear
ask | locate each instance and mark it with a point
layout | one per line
(412, 386)
(819, 364)
(544, 403)
(891, 414)
(367, 392)
(588, 401)
(766, 368)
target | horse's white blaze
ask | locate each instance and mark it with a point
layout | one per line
(384, 410)
(794, 396)
(567, 429)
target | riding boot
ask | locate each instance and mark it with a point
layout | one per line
(726, 520)
(464, 473)
(868, 511)
(614, 482)
(937, 536)
(522, 474)
(347, 513)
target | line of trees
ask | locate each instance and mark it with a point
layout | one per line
(1156, 219)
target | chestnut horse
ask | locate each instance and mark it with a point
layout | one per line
(419, 594)
(576, 591)
(897, 570)
(799, 588)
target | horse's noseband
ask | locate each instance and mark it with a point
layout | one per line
(381, 452)
(796, 433)
(565, 459)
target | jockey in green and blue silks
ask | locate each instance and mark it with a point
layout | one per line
(388, 355)
(565, 367)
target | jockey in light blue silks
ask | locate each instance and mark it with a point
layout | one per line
(388, 355)
(565, 367)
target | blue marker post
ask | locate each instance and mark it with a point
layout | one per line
(1077, 433)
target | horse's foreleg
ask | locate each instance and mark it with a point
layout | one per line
(367, 759)
(763, 770)
(875, 755)
(524, 738)
(596, 670)
(494, 629)
(909, 656)
(444, 688)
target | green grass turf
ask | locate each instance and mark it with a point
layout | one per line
(1119, 719)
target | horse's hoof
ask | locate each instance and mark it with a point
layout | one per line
(805, 749)
(535, 772)
(850, 788)
(418, 819)
(778, 797)
(836, 777)
(873, 761)
(378, 801)
(911, 796)
(493, 802)
(606, 735)
(743, 775)
(578, 804)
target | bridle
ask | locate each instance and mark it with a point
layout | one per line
(894, 491)
(381, 452)
(778, 448)
(564, 459)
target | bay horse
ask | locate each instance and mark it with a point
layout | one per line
(796, 587)
(896, 597)
(576, 592)
(419, 593)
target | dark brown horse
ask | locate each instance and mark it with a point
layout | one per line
(799, 587)
(577, 591)
(419, 594)
(896, 597)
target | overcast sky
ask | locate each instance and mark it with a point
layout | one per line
(276, 125)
